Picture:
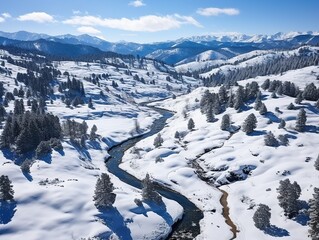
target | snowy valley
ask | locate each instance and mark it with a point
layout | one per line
(204, 148)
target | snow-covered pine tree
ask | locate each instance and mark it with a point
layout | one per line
(263, 109)
(301, 120)
(6, 190)
(103, 194)
(158, 141)
(177, 135)
(190, 124)
(314, 215)
(93, 132)
(249, 124)
(288, 194)
(317, 163)
(291, 106)
(239, 98)
(282, 123)
(270, 140)
(298, 99)
(149, 192)
(209, 114)
(225, 124)
(262, 217)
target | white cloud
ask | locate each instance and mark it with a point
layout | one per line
(2, 19)
(88, 30)
(76, 12)
(217, 11)
(6, 15)
(39, 17)
(149, 23)
(137, 3)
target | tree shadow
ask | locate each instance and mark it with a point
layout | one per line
(8, 154)
(257, 133)
(7, 211)
(27, 176)
(46, 158)
(303, 217)
(112, 218)
(275, 231)
(160, 209)
(271, 116)
(139, 210)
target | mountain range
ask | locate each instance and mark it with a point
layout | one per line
(183, 50)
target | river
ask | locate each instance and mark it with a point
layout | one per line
(188, 227)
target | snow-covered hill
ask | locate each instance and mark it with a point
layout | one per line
(218, 155)
(58, 192)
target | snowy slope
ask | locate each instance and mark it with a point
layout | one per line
(232, 153)
(58, 194)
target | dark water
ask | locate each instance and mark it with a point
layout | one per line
(188, 226)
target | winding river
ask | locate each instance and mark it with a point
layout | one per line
(188, 226)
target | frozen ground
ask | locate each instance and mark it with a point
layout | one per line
(218, 153)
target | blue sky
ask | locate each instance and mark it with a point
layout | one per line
(158, 20)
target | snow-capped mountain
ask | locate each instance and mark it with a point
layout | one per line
(184, 49)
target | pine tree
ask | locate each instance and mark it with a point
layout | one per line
(249, 124)
(93, 132)
(314, 215)
(158, 141)
(265, 84)
(270, 140)
(103, 194)
(225, 124)
(148, 191)
(262, 217)
(258, 104)
(190, 124)
(239, 98)
(298, 99)
(317, 163)
(263, 109)
(177, 135)
(291, 106)
(301, 120)
(288, 197)
(6, 190)
(282, 123)
(283, 140)
(209, 114)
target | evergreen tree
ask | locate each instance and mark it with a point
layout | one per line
(177, 135)
(225, 124)
(190, 124)
(239, 98)
(291, 106)
(149, 192)
(258, 104)
(314, 215)
(310, 92)
(266, 84)
(263, 109)
(209, 114)
(282, 123)
(249, 124)
(158, 141)
(288, 195)
(43, 148)
(301, 120)
(262, 217)
(103, 194)
(93, 132)
(6, 190)
(283, 140)
(298, 99)
(317, 163)
(270, 140)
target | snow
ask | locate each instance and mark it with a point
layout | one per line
(218, 153)
(56, 200)
(58, 194)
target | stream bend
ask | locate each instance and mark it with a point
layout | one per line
(186, 228)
